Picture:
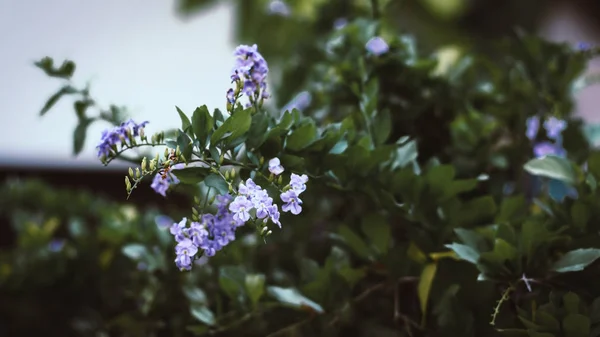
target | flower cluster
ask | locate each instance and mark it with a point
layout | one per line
(249, 75)
(554, 128)
(212, 232)
(119, 135)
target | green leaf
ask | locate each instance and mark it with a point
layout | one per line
(533, 333)
(547, 321)
(302, 137)
(576, 260)
(66, 90)
(571, 302)
(195, 295)
(191, 174)
(65, 71)
(255, 287)
(382, 124)
(232, 281)
(203, 314)
(185, 121)
(234, 127)
(202, 124)
(258, 131)
(552, 167)
(576, 325)
(354, 241)
(217, 182)
(378, 230)
(510, 207)
(580, 214)
(293, 298)
(135, 251)
(465, 252)
(80, 134)
(472, 239)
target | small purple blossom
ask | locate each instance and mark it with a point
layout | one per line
(533, 126)
(163, 221)
(554, 127)
(340, 23)
(275, 166)
(274, 215)
(279, 7)
(185, 251)
(298, 183)
(377, 46)
(178, 230)
(56, 245)
(160, 185)
(546, 149)
(241, 207)
(584, 46)
(292, 202)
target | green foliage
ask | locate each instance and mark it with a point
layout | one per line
(425, 213)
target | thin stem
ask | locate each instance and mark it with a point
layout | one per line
(118, 153)
(375, 9)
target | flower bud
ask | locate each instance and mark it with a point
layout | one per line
(142, 133)
(166, 153)
(264, 230)
(262, 160)
(194, 211)
(226, 175)
(232, 173)
(152, 164)
(153, 139)
(221, 157)
(131, 172)
(194, 217)
(212, 200)
(269, 233)
(280, 180)
(177, 151)
(196, 200)
(127, 184)
(138, 174)
(144, 164)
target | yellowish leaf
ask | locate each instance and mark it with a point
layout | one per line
(425, 282)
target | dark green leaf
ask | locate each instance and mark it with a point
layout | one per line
(217, 182)
(354, 241)
(65, 71)
(202, 124)
(191, 175)
(258, 131)
(302, 137)
(79, 135)
(66, 90)
(465, 252)
(576, 325)
(232, 281)
(185, 121)
(378, 230)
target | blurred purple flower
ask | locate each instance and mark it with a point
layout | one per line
(340, 23)
(377, 46)
(300, 102)
(56, 245)
(533, 126)
(279, 7)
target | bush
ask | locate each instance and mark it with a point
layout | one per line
(438, 198)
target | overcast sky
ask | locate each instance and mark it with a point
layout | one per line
(135, 53)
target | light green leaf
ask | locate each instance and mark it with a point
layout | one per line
(203, 314)
(576, 260)
(185, 121)
(552, 167)
(465, 252)
(293, 298)
(135, 251)
(255, 286)
(424, 288)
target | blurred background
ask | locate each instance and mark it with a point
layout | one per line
(149, 56)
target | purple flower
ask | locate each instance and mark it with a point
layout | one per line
(300, 102)
(251, 69)
(56, 245)
(198, 232)
(185, 251)
(118, 135)
(584, 46)
(554, 127)
(241, 207)
(274, 215)
(340, 23)
(163, 221)
(546, 148)
(298, 183)
(292, 202)
(279, 7)
(178, 230)
(377, 46)
(230, 96)
(160, 185)
(275, 166)
(533, 126)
